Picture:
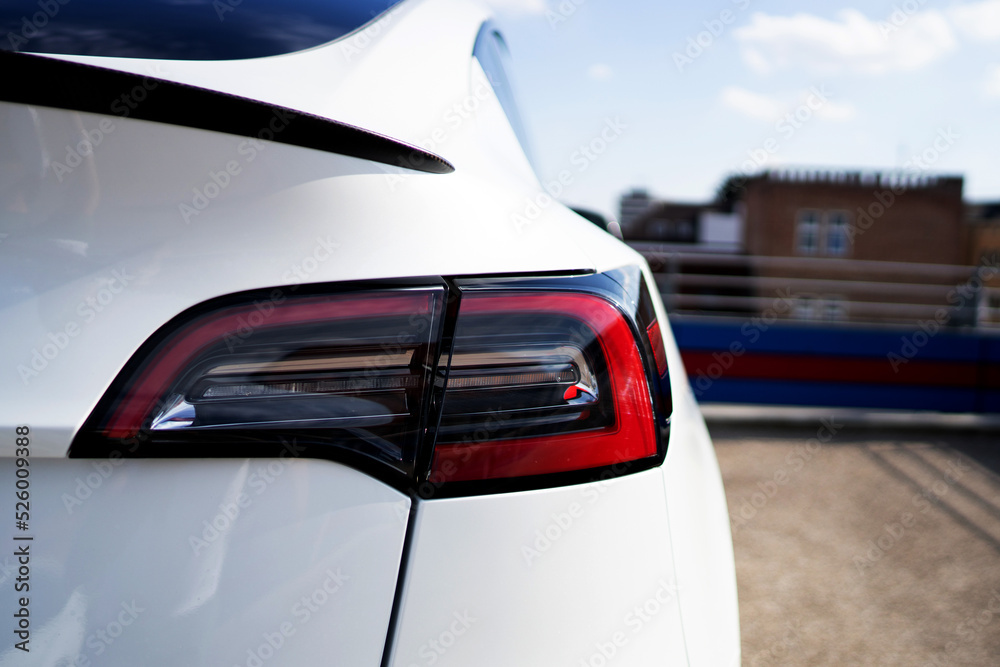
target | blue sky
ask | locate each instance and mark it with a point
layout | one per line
(700, 90)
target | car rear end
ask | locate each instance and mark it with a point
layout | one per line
(290, 396)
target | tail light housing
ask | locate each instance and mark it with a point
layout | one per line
(343, 376)
(559, 378)
(442, 388)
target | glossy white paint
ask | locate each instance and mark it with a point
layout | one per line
(580, 575)
(699, 523)
(205, 563)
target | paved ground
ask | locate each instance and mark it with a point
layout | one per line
(860, 546)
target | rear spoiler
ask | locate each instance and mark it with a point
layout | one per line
(50, 82)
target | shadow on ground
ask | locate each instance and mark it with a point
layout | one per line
(858, 546)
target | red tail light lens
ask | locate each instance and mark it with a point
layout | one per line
(655, 337)
(350, 371)
(542, 383)
(497, 384)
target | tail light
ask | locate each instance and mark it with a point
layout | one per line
(506, 384)
(542, 383)
(327, 375)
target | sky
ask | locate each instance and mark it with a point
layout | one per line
(671, 97)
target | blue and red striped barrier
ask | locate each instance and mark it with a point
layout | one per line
(944, 369)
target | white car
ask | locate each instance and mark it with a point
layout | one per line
(303, 366)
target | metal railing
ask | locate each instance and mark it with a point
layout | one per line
(823, 289)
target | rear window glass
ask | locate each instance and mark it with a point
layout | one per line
(180, 29)
(492, 53)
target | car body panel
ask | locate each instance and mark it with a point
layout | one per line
(509, 567)
(699, 526)
(206, 563)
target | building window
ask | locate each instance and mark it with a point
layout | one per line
(823, 233)
(836, 233)
(808, 232)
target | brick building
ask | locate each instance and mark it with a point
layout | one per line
(876, 247)
(852, 215)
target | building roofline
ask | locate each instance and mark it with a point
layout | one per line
(885, 178)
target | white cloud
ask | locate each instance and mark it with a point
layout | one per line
(979, 20)
(516, 7)
(772, 108)
(853, 42)
(754, 105)
(600, 72)
(756, 60)
(992, 86)
(836, 112)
